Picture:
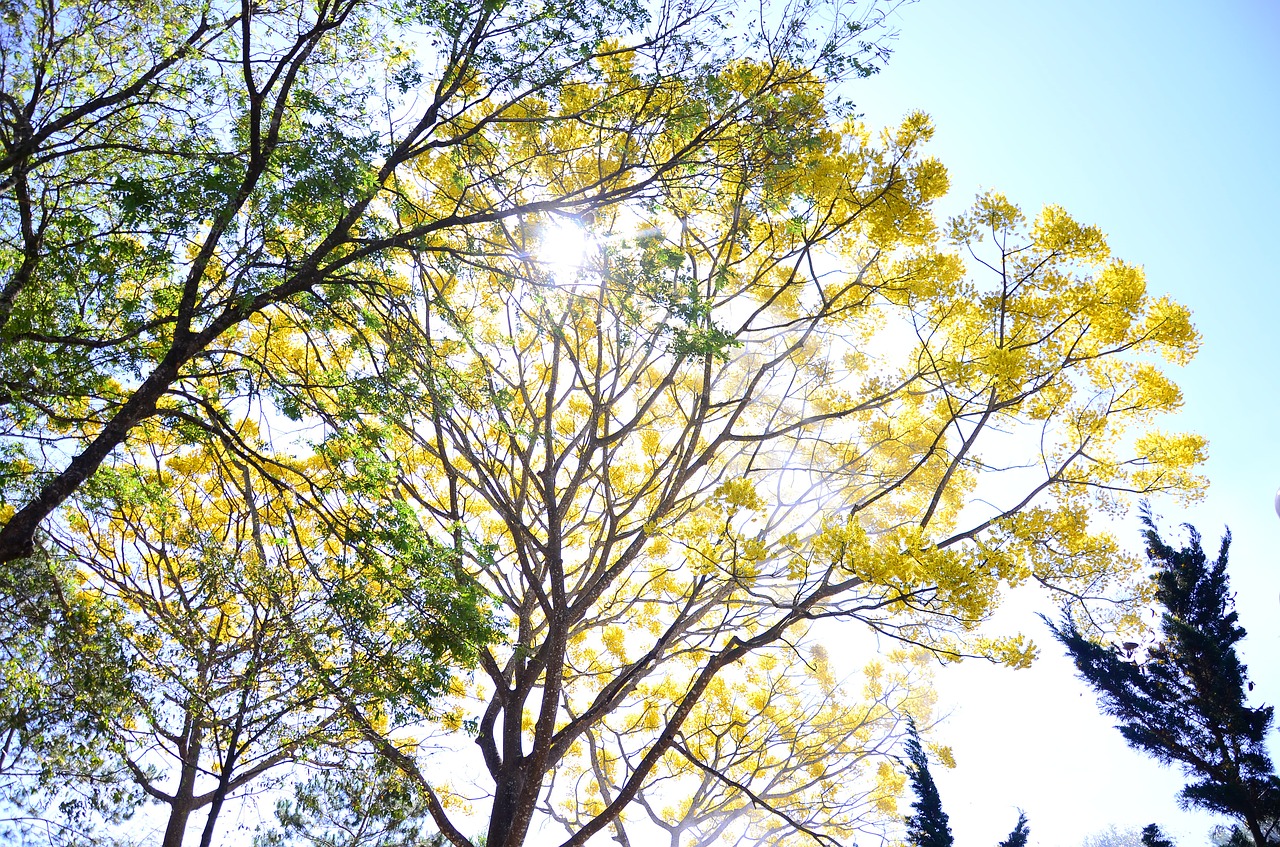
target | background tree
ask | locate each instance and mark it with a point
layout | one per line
(63, 678)
(929, 825)
(365, 802)
(1018, 838)
(224, 600)
(1114, 837)
(1153, 837)
(1184, 702)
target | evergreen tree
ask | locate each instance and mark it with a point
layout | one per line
(1153, 837)
(928, 827)
(1185, 703)
(1018, 838)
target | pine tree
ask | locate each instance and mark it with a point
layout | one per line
(1153, 837)
(928, 827)
(1185, 703)
(1018, 838)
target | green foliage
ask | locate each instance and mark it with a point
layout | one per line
(64, 677)
(359, 802)
(1184, 702)
(1153, 837)
(153, 202)
(255, 636)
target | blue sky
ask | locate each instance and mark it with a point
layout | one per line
(1159, 122)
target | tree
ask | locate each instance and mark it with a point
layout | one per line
(170, 172)
(186, 185)
(1153, 837)
(1229, 836)
(364, 803)
(759, 401)
(63, 678)
(1184, 702)
(225, 599)
(765, 396)
(1018, 838)
(929, 826)
(1113, 837)
(1148, 836)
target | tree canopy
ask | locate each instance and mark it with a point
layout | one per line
(764, 400)
(177, 175)
(537, 383)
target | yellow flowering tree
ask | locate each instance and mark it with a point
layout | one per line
(207, 209)
(609, 323)
(171, 171)
(683, 440)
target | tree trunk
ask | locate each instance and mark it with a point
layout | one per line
(1255, 831)
(224, 780)
(179, 813)
(183, 802)
(505, 798)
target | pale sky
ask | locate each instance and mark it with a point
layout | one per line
(1157, 121)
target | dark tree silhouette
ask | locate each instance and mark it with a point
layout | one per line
(1018, 838)
(928, 827)
(1185, 703)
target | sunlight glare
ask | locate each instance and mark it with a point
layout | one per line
(565, 249)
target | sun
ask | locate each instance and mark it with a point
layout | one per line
(565, 249)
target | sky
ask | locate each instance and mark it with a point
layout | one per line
(1158, 122)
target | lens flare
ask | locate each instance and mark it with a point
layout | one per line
(566, 249)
